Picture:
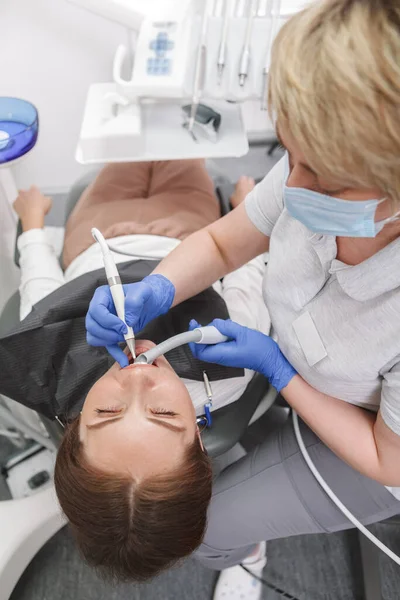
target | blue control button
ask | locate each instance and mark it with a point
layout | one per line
(160, 64)
(157, 66)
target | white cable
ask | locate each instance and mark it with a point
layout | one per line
(334, 498)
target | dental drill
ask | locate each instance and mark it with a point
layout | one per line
(200, 70)
(116, 289)
(223, 48)
(275, 17)
(200, 335)
(245, 58)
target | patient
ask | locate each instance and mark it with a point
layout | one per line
(131, 473)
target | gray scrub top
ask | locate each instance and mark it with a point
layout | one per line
(338, 325)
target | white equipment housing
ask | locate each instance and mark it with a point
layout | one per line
(140, 118)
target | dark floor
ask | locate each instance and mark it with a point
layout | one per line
(309, 568)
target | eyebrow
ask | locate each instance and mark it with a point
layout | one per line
(168, 425)
(102, 424)
(161, 422)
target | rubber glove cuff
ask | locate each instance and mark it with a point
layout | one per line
(164, 291)
(282, 372)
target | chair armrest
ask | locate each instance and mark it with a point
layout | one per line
(16, 251)
(54, 429)
(9, 317)
(224, 192)
(231, 422)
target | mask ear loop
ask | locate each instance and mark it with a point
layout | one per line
(384, 222)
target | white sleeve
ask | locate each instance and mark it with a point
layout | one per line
(264, 204)
(242, 292)
(41, 273)
(390, 401)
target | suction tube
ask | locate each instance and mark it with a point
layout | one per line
(200, 335)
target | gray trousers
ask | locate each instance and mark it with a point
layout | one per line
(270, 494)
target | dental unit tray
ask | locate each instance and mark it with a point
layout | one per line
(152, 130)
(179, 60)
(200, 335)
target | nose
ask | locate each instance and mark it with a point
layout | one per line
(300, 177)
(138, 379)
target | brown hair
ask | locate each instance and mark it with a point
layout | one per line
(129, 530)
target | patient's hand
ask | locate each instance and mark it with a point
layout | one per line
(32, 206)
(243, 187)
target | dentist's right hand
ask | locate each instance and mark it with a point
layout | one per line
(144, 301)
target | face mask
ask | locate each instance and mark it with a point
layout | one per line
(332, 216)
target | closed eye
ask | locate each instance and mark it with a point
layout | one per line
(330, 192)
(113, 410)
(163, 412)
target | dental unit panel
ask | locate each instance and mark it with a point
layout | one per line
(185, 53)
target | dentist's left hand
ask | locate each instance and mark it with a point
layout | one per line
(246, 349)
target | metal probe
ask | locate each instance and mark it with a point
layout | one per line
(262, 9)
(275, 16)
(245, 59)
(221, 63)
(200, 72)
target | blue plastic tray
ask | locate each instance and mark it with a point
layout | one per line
(19, 120)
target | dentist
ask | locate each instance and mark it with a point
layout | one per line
(328, 214)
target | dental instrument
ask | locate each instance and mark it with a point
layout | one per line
(245, 58)
(205, 420)
(207, 122)
(218, 8)
(221, 62)
(200, 70)
(275, 16)
(116, 289)
(200, 335)
(240, 7)
(209, 394)
(262, 9)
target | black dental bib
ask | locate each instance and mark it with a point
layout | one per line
(47, 365)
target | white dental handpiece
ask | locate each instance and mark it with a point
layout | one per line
(116, 289)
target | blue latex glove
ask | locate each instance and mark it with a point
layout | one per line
(144, 301)
(247, 349)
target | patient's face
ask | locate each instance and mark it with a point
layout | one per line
(139, 419)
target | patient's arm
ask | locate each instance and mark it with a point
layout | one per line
(41, 273)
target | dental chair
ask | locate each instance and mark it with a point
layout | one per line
(26, 524)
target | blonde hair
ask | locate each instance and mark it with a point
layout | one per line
(335, 84)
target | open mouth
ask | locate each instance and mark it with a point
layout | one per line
(140, 350)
